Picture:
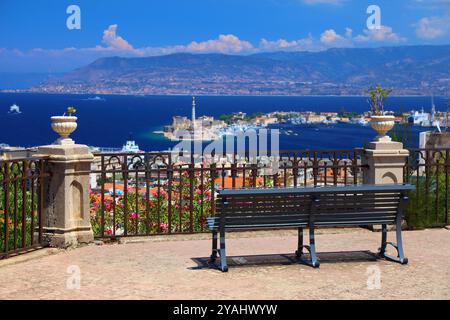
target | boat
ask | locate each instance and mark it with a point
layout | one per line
(419, 118)
(130, 146)
(14, 109)
(96, 98)
(329, 122)
(297, 120)
(363, 122)
(360, 121)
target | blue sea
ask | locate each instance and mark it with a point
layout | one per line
(109, 121)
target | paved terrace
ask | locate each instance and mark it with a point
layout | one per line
(167, 268)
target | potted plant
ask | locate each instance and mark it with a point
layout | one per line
(64, 125)
(379, 121)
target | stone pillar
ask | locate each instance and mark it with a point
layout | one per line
(66, 219)
(385, 160)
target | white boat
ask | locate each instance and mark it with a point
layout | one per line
(297, 120)
(328, 122)
(130, 146)
(360, 121)
(96, 98)
(363, 122)
(419, 118)
(14, 109)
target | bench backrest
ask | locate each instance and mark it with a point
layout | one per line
(330, 206)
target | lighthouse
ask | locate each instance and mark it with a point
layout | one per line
(193, 113)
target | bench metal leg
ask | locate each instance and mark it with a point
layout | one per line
(401, 254)
(214, 247)
(398, 246)
(223, 255)
(382, 250)
(312, 243)
(300, 245)
(313, 262)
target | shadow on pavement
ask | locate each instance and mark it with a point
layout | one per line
(286, 259)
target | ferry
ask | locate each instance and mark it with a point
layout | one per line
(419, 118)
(14, 109)
(130, 146)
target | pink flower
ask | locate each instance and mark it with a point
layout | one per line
(163, 226)
(134, 215)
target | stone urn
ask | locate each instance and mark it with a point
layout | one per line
(382, 124)
(64, 126)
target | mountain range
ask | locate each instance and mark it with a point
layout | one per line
(341, 71)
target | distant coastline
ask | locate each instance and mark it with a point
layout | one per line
(335, 72)
(217, 95)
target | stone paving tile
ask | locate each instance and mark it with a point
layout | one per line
(168, 270)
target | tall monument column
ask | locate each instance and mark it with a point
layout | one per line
(193, 113)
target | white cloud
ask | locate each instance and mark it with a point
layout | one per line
(226, 43)
(305, 44)
(382, 34)
(430, 28)
(331, 38)
(112, 40)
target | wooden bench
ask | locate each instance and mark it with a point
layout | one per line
(275, 208)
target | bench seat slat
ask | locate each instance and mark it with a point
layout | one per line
(291, 206)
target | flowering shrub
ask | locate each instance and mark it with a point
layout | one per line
(138, 214)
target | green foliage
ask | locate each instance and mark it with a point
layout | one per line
(256, 115)
(228, 118)
(377, 96)
(427, 206)
(71, 110)
(347, 114)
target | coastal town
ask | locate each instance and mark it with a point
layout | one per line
(207, 128)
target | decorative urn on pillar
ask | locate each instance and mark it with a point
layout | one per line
(382, 124)
(379, 121)
(66, 219)
(64, 126)
(383, 159)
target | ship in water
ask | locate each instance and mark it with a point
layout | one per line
(96, 98)
(14, 109)
(425, 119)
(130, 146)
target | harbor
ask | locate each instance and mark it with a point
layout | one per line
(207, 128)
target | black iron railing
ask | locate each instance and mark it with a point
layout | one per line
(152, 193)
(21, 204)
(429, 171)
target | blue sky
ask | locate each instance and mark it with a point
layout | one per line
(34, 36)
